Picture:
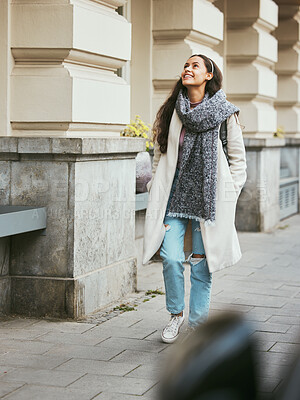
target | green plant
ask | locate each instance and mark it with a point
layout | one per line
(138, 128)
(124, 308)
(153, 292)
(280, 132)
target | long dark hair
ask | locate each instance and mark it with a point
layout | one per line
(163, 117)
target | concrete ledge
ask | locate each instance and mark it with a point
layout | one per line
(75, 146)
(292, 141)
(21, 219)
(72, 297)
(260, 143)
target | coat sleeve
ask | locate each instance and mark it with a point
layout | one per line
(236, 153)
(155, 162)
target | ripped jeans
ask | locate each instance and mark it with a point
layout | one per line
(173, 257)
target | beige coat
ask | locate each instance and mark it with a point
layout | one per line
(221, 243)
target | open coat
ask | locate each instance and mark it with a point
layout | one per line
(220, 240)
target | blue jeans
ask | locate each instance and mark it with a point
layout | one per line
(173, 257)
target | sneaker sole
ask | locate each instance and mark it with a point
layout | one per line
(166, 340)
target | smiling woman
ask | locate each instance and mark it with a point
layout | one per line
(191, 180)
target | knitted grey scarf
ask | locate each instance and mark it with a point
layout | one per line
(195, 193)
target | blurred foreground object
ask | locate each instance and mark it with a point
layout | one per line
(215, 362)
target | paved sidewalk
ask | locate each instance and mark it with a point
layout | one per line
(120, 359)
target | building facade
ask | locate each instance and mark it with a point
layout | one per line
(72, 74)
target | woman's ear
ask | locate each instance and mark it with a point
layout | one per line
(209, 76)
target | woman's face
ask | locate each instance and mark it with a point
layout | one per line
(195, 73)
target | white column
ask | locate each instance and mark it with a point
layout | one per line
(180, 30)
(251, 56)
(64, 81)
(288, 70)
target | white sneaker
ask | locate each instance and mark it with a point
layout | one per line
(171, 331)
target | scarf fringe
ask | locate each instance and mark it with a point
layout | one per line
(183, 215)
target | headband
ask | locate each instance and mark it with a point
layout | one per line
(212, 65)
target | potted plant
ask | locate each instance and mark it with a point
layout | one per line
(138, 128)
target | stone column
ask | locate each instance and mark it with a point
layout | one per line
(288, 70)
(288, 100)
(252, 85)
(180, 30)
(64, 81)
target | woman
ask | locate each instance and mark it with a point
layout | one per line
(193, 180)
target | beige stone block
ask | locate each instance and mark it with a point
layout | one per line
(96, 101)
(257, 117)
(251, 42)
(288, 61)
(169, 59)
(71, 25)
(141, 65)
(288, 31)
(251, 79)
(52, 27)
(289, 119)
(194, 15)
(101, 31)
(288, 90)
(41, 98)
(245, 12)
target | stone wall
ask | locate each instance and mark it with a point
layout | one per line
(87, 257)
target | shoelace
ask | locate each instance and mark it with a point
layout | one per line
(172, 326)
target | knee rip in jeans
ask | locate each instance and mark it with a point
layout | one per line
(167, 227)
(195, 258)
(198, 229)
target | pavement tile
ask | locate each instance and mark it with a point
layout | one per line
(133, 332)
(114, 384)
(282, 319)
(6, 388)
(259, 300)
(74, 338)
(22, 334)
(103, 353)
(276, 337)
(263, 345)
(32, 360)
(97, 367)
(286, 348)
(41, 377)
(266, 358)
(33, 392)
(136, 357)
(230, 307)
(18, 323)
(133, 344)
(116, 396)
(268, 384)
(146, 371)
(62, 326)
(25, 346)
(4, 369)
(269, 327)
(294, 330)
